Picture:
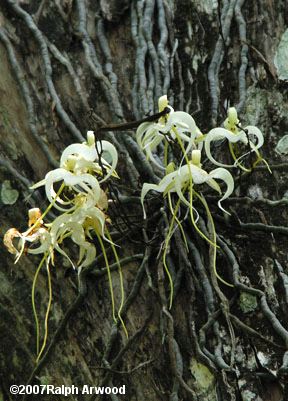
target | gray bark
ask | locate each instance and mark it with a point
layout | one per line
(68, 67)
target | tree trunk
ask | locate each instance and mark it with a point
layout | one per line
(72, 66)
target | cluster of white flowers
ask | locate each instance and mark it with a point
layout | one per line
(83, 204)
(178, 123)
(83, 167)
(181, 128)
(80, 200)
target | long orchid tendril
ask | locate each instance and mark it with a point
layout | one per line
(33, 301)
(190, 189)
(47, 314)
(109, 276)
(174, 212)
(209, 215)
(121, 283)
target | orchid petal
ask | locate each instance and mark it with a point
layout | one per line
(57, 224)
(85, 151)
(60, 250)
(151, 157)
(145, 189)
(217, 134)
(85, 181)
(8, 240)
(181, 120)
(98, 217)
(154, 142)
(39, 184)
(214, 185)
(141, 130)
(90, 255)
(106, 146)
(254, 131)
(224, 175)
(178, 183)
(50, 178)
(45, 239)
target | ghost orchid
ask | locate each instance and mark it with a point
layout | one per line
(234, 133)
(177, 124)
(180, 180)
(36, 234)
(83, 184)
(90, 157)
(79, 226)
(78, 163)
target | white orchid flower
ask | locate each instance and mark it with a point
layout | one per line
(43, 236)
(68, 227)
(186, 128)
(77, 165)
(148, 136)
(182, 181)
(178, 181)
(37, 234)
(91, 156)
(234, 133)
(178, 123)
(78, 225)
(81, 184)
(40, 235)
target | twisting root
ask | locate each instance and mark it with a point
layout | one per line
(93, 62)
(48, 68)
(244, 51)
(213, 70)
(23, 85)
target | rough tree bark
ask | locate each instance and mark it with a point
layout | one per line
(70, 66)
